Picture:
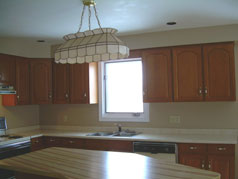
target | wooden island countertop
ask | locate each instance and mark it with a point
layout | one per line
(86, 164)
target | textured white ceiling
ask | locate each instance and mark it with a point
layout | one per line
(51, 19)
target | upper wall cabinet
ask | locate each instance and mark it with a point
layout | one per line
(75, 83)
(187, 73)
(22, 81)
(7, 70)
(40, 79)
(157, 75)
(219, 72)
(60, 83)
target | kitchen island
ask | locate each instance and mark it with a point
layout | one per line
(58, 162)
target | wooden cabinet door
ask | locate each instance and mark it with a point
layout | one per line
(219, 72)
(7, 70)
(41, 87)
(187, 72)
(60, 83)
(193, 160)
(23, 81)
(223, 165)
(79, 83)
(157, 75)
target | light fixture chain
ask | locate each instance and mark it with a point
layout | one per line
(96, 14)
(81, 20)
(89, 18)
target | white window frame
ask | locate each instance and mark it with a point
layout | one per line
(117, 117)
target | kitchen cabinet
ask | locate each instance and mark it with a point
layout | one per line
(7, 70)
(89, 144)
(187, 73)
(40, 80)
(219, 72)
(215, 157)
(157, 75)
(75, 83)
(22, 84)
(37, 143)
(22, 81)
(204, 72)
(60, 83)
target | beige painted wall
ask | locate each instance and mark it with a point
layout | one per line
(20, 116)
(193, 115)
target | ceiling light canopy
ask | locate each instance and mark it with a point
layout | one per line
(94, 45)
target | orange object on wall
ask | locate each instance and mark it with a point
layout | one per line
(9, 100)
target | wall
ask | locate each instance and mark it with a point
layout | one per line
(22, 116)
(193, 114)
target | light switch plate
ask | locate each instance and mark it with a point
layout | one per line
(174, 119)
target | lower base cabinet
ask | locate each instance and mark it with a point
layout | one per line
(89, 144)
(219, 158)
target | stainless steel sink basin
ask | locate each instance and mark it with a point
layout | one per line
(114, 134)
(100, 134)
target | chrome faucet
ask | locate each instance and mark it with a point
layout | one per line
(119, 127)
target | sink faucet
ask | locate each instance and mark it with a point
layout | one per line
(119, 127)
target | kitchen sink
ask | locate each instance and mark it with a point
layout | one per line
(125, 133)
(100, 134)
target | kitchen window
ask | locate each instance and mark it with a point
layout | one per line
(121, 91)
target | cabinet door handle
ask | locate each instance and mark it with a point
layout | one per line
(71, 142)
(193, 148)
(52, 140)
(36, 141)
(66, 95)
(203, 164)
(85, 94)
(205, 90)
(200, 91)
(50, 96)
(221, 148)
(209, 165)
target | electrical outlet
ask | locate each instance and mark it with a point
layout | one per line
(65, 118)
(174, 119)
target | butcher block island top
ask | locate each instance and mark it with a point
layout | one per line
(67, 163)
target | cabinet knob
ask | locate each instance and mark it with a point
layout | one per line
(205, 90)
(66, 95)
(36, 141)
(193, 148)
(52, 140)
(50, 96)
(209, 165)
(221, 148)
(71, 142)
(200, 91)
(18, 97)
(85, 94)
(203, 164)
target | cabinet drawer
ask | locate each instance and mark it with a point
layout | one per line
(221, 149)
(192, 148)
(37, 143)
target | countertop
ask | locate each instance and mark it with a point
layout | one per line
(177, 138)
(77, 163)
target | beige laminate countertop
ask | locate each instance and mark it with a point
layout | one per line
(77, 163)
(178, 138)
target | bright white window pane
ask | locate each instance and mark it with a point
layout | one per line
(123, 86)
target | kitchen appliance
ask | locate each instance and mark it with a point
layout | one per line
(11, 150)
(14, 146)
(7, 90)
(3, 125)
(165, 152)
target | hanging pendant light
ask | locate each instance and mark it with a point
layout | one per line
(92, 45)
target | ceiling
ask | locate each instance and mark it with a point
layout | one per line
(52, 19)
